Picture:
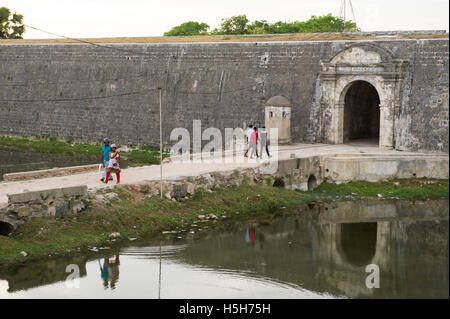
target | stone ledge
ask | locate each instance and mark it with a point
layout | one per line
(57, 202)
(22, 176)
(214, 39)
(44, 194)
(384, 168)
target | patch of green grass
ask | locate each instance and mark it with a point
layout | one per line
(409, 189)
(51, 146)
(145, 155)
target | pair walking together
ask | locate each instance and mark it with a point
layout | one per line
(111, 161)
(252, 138)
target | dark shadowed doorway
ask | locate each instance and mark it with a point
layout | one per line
(6, 229)
(362, 113)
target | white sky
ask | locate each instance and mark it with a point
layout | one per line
(120, 18)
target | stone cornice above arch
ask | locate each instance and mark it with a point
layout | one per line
(363, 59)
(362, 53)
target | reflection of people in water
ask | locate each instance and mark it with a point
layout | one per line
(250, 235)
(110, 272)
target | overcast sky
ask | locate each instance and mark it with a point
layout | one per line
(120, 18)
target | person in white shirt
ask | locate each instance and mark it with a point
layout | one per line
(249, 138)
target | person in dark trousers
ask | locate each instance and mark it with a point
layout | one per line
(263, 142)
(248, 135)
(106, 149)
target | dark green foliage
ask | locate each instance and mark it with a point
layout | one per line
(240, 24)
(11, 27)
(189, 28)
(233, 25)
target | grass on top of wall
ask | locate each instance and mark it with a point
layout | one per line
(145, 155)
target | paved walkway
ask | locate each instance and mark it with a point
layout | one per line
(175, 169)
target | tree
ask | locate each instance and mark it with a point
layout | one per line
(327, 23)
(189, 28)
(233, 25)
(11, 27)
(259, 27)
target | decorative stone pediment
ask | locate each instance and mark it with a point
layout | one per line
(358, 56)
(363, 59)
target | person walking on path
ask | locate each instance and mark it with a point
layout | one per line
(114, 164)
(254, 141)
(263, 142)
(249, 138)
(106, 149)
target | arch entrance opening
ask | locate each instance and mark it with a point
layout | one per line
(361, 113)
(6, 228)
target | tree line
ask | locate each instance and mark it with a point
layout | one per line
(240, 24)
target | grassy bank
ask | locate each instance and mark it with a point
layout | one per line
(145, 155)
(135, 215)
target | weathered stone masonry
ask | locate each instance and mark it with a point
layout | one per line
(224, 85)
(46, 203)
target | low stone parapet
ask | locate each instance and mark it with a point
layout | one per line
(373, 169)
(63, 171)
(57, 202)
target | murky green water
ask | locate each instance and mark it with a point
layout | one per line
(317, 252)
(13, 161)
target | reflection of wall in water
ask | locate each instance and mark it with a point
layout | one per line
(400, 237)
(40, 273)
(308, 251)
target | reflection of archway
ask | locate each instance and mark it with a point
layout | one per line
(361, 112)
(312, 182)
(359, 242)
(6, 228)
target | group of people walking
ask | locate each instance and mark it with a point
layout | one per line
(111, 161)
(111, 157)
(253, 136)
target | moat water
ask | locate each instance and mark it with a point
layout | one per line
(319, 251)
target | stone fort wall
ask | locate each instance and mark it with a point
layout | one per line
(85, 93)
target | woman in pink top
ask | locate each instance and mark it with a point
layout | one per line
(254, 141)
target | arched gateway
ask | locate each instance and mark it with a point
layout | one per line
(360, 95)
(361, 112)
